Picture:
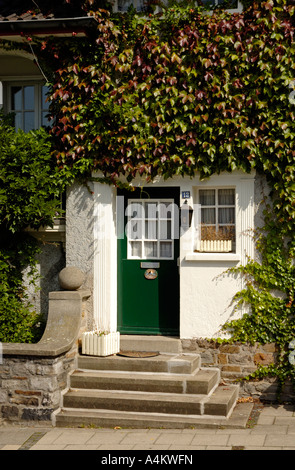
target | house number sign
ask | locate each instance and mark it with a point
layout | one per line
(150, 274)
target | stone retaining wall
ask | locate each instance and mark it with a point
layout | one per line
(34, 376)
(31, 386)
(238, 360)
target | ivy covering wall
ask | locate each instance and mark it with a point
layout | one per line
(183, 92)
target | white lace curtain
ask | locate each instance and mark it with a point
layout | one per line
(218, 206)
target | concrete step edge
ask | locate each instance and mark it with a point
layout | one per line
(109, 418)
(174, 363)
(202, 381)
(219, 403)
(162, 344)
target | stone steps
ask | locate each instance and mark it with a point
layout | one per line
(162, 344)
(219, 403)
(69, 417)
(201, 381)
(167, 363)
(168, 390)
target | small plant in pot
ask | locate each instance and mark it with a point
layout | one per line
(99, 342)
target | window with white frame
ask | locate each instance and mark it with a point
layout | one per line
(150, 228)
(217, 220)
(28, 102)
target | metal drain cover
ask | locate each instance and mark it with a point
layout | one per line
(138, 353)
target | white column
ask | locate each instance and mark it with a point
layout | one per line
(246, 219)
(105, 257)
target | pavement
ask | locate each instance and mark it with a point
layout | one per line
(270, 427)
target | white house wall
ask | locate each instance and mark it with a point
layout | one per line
(206, 290)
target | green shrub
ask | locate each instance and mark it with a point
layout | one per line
(29, 195)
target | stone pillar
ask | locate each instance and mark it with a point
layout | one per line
(105, 258)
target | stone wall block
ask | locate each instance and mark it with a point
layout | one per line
(242, 358)
(42, 383)
(222, 358)
(230, 348)
(264, 358)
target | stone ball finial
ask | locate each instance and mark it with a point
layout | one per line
(71, 278)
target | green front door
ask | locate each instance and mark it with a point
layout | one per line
(148, 278)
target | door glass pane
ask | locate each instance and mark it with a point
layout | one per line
(166, 249)
(136, 249)
(151, 230)
(151, 210)
(150, 249)
(148, 222)
(135, 210)
(29, 97)
(165, 230)
(135, 229)
(165, 210)
(29, 121)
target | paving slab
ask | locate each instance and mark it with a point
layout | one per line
(256, 437)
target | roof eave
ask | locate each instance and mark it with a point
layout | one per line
(47, 27)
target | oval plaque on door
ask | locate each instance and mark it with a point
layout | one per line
(150, 274)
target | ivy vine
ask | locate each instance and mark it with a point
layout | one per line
(183, 92)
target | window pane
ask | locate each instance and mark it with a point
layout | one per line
(208, 232)
(16, 98)
(208, 3)
(45, 119)
(45, 103)
(18, 121)
(123, 5)
(150, 249)
(228, 3)
(207, 197)
(29, 94)
(226, 215)
(166, 249)
(208, 216)
(226, 197)
(140, 5)
(227, 232)
(29, 121)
